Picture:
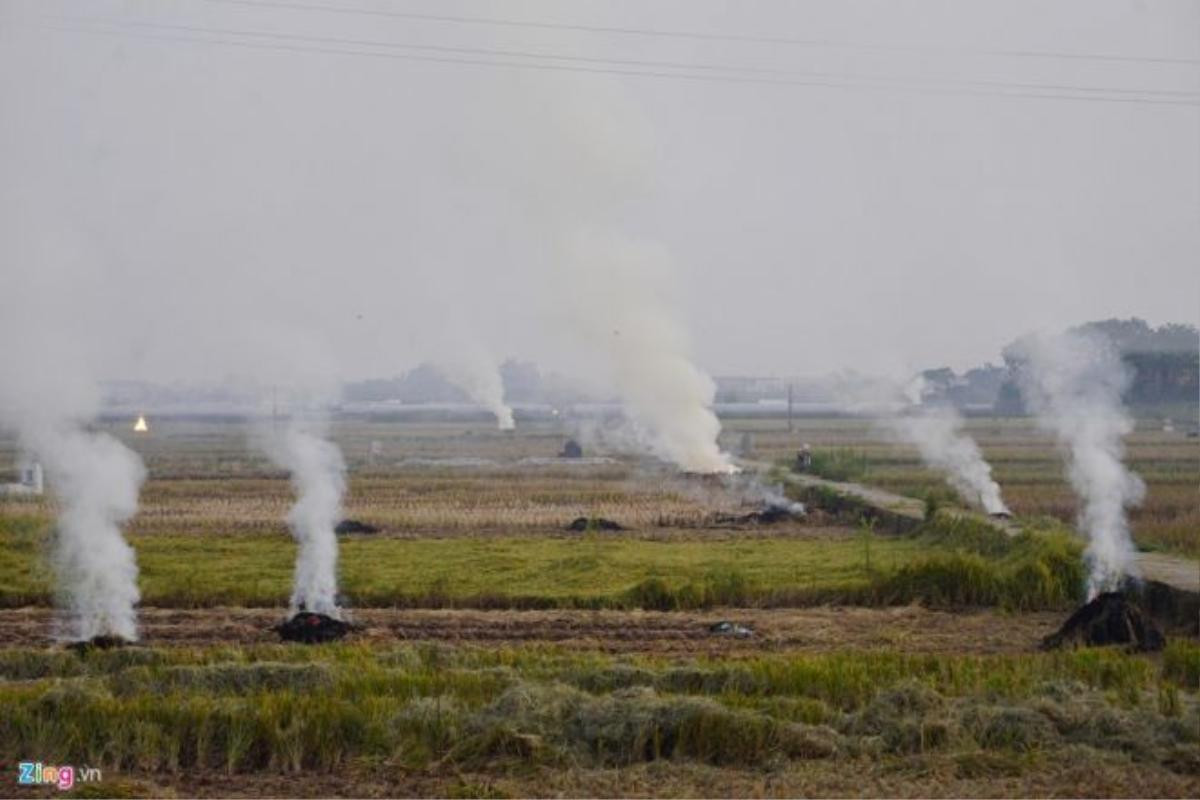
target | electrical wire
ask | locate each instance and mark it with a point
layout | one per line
(638, 64)
(698, 35)
(125, 29)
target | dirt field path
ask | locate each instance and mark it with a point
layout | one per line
(908, 628)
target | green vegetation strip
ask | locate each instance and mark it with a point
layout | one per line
(292, 708)
(949, 562)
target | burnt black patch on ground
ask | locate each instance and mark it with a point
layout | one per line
(101, 642)
(768, 515)
(594, 524)
(354, 526)
(311, 628)
(1111, 618)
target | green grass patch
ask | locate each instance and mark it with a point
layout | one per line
(951, 560)
(596, 571)
(840, 464)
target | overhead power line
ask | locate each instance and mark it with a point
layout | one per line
(536, 61)
(772, 74)
(699, 35)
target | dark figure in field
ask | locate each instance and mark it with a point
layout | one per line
(572, 449)
(803, 461)
(1110, 618)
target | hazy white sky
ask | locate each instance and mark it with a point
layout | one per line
(304, 191)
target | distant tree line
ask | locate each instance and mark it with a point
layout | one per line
(1165, 363)
(523, 382)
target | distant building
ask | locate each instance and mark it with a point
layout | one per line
(30, 481)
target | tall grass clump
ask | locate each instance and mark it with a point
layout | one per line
(839, 464)
(976, 564)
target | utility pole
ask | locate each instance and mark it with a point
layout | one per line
(790, 426)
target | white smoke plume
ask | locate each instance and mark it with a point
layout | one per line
(1073, 382)
(752, 489)
(476, 373)
(95, 480)
(618, 304)
(938, 436)
(53, 315)
(318, 474)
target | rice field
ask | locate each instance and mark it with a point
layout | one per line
(1026, 464)
(429, 720)
(500, 654)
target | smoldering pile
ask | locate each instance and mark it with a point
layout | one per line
(766, 504)
(1110, 618)
(580, 524)
(308, 627)
(769, 513)
(348, 526)
(101, 642)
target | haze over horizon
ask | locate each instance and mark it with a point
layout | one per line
(265, 189)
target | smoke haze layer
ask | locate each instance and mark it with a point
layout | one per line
(318, 476)
(1074, 384)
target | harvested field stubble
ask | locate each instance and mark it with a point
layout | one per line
(512, 712)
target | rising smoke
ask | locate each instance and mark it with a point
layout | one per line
(95, 480)
(617, 290)
(938, 435)
(618, 296)
(1074, 382)
(476, 373)
(48, 396)
(318, 475)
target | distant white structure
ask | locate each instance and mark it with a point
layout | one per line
(30, 481)
(140, 426)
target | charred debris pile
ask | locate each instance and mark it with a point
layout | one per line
(1110, 618)
(101, 642)
(583, 524)
(308, 627)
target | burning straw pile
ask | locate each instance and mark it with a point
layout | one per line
(308, 627)
(1110, 618)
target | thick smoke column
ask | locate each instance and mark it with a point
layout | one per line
(588, 166)
(619, 302)
(1073, 383)
(938, 435)
(53, 314)
(96, 481)
(318, 475)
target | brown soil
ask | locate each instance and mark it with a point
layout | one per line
(910, 628)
